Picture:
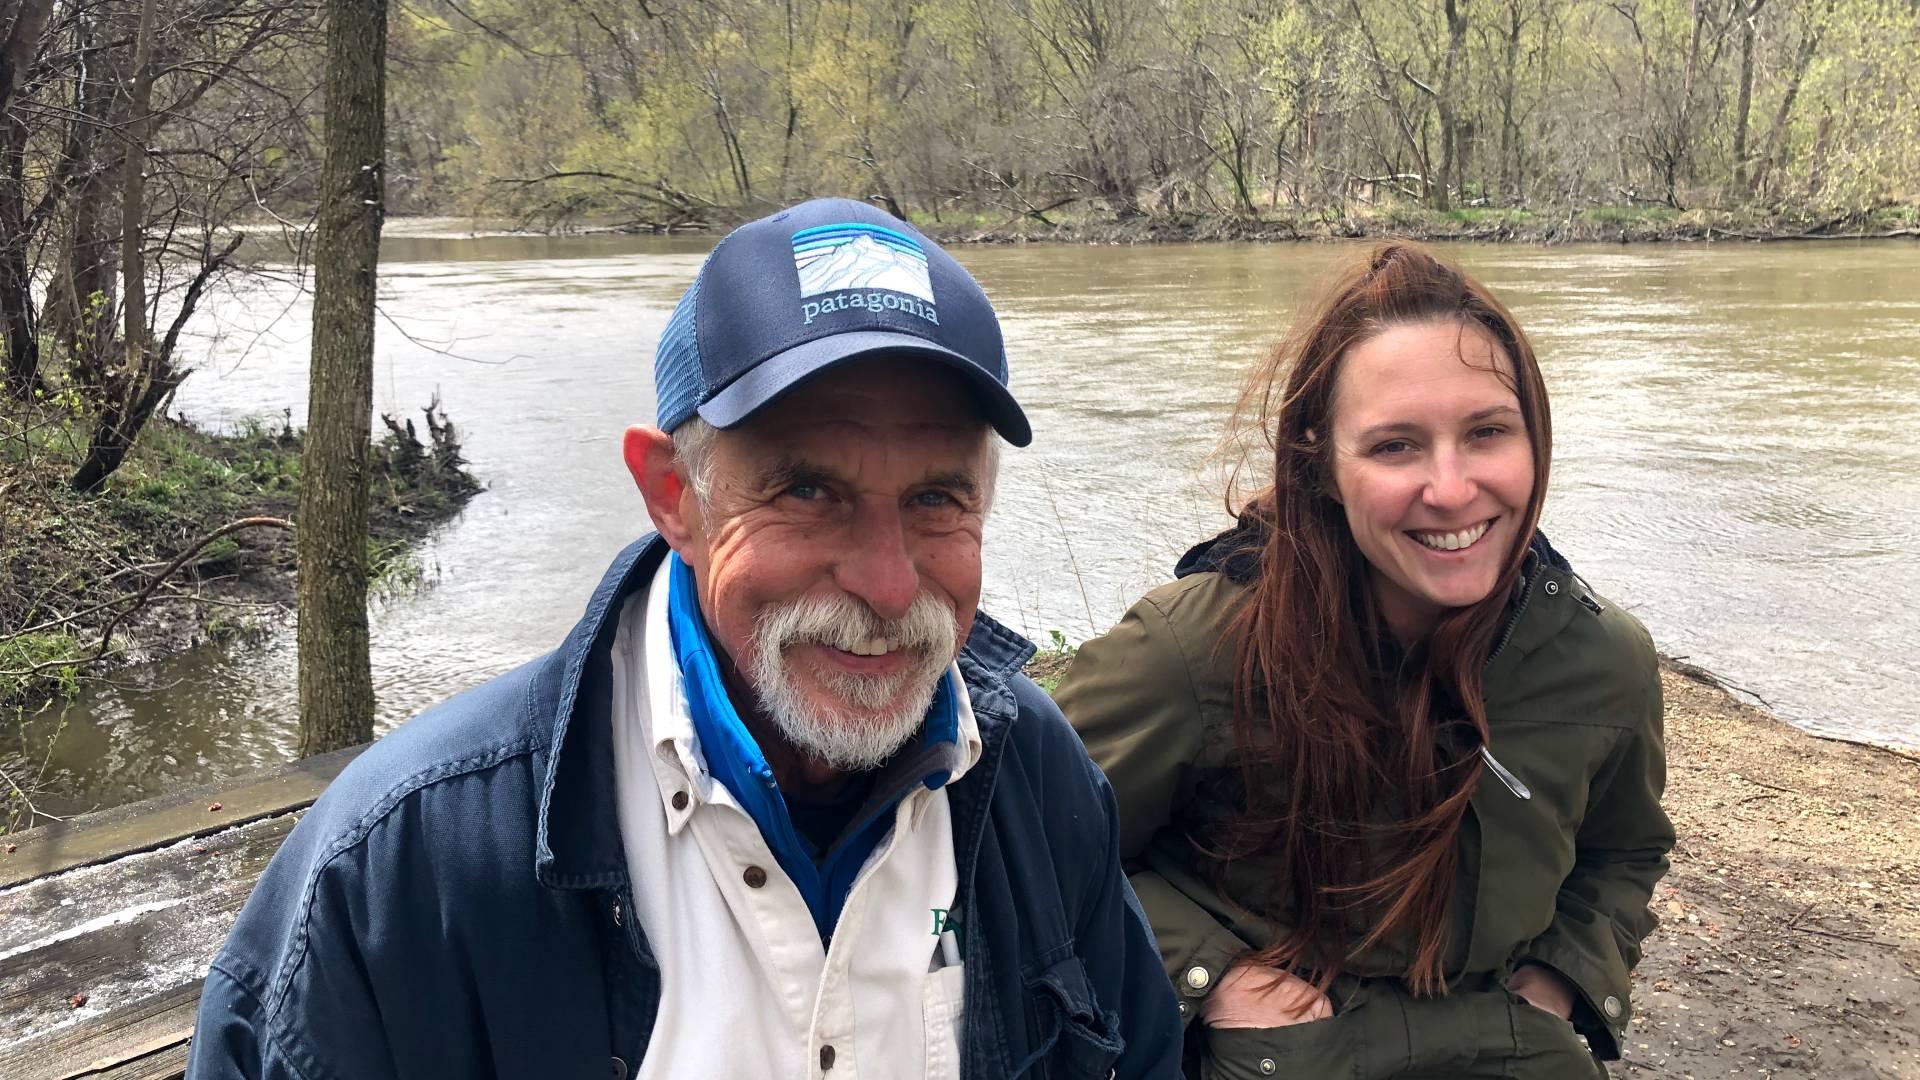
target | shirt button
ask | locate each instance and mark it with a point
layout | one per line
(1612, 1006)
(1198, 978)
(679, 800)
(826, 1058)
(756, 877)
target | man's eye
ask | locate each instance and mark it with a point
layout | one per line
(804, 492)
(935, 499)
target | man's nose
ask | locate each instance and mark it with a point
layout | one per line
(877, 566)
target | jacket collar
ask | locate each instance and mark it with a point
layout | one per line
(570, 698)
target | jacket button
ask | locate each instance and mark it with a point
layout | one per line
(1552, 587)
(1266, 1066)
(756, 877)
(679, 800)
(1612, 1006)
(1198, 978)
(826, 1058)
(619, 1070)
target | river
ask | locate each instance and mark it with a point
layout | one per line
(1737, 458)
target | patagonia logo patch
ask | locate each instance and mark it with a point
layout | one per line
(855, 265)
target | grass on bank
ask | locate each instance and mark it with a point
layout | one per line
(72, 560)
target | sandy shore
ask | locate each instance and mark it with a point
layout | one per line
(1790, 936)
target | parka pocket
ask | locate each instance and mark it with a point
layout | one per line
(1539, 1032)
(1074, 1038)
(1316, 1048)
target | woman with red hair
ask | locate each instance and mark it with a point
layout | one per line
(1389, 772)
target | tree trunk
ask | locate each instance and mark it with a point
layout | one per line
(19, 335)
(1743, 107)
(80, 298)
(1449, 121)
(132, 388)
(1773, 158)
(336, 681)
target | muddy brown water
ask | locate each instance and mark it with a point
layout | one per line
(1737, 458)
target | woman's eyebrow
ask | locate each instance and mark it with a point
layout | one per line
(1402, 427)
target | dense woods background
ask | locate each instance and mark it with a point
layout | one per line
(139, 138)
(662, 109)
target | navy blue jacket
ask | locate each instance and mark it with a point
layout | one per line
(454, 904)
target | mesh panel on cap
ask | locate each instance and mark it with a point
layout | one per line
(678, 382)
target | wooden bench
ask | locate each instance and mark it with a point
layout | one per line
(107, 921)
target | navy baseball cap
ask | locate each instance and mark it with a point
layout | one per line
(791, 295)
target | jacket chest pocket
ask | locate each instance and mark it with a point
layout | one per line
(1528, 844)
(1073, 1037)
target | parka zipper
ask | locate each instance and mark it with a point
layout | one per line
(1506, 776)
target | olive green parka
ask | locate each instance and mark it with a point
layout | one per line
(1556, 868)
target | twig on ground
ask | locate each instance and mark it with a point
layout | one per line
(139, 598)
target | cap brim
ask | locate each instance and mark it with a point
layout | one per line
(766, 381)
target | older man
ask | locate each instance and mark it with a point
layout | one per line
(782, 805)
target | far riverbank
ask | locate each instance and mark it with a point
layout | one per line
(1630, 224)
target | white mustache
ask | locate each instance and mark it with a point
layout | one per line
(841, 622)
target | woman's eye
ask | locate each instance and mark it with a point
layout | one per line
(1392, 447)
(1489, 431)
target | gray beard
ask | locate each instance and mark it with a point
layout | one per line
(884, 712)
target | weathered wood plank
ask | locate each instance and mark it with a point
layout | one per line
(64, 903)
(110, 834)
(146, 1039)
(167, 1064)
(118, 962)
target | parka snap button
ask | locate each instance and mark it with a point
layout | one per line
(1198, 978)
(1266, 1066)
(754, 877)
(619, 1070)
(679, 800)
(1553, 588)
(1183, 1008)
(1612, 1006)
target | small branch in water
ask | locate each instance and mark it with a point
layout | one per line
(139, 598)
(1704, 677)
(26, 800)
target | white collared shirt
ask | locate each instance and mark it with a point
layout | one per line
(746, 987)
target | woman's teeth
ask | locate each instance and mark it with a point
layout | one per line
(1453, 541)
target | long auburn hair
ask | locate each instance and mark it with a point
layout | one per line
(1310, 639)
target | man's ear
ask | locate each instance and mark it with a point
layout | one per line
(670, 501)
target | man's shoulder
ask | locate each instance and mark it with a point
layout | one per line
(473, 730)
(410, 800)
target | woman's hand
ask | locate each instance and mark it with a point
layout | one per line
(1544, 988)
(1257, 996)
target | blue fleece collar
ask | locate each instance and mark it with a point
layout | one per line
(735, 759)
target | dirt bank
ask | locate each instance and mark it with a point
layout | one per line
(1790, 936)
